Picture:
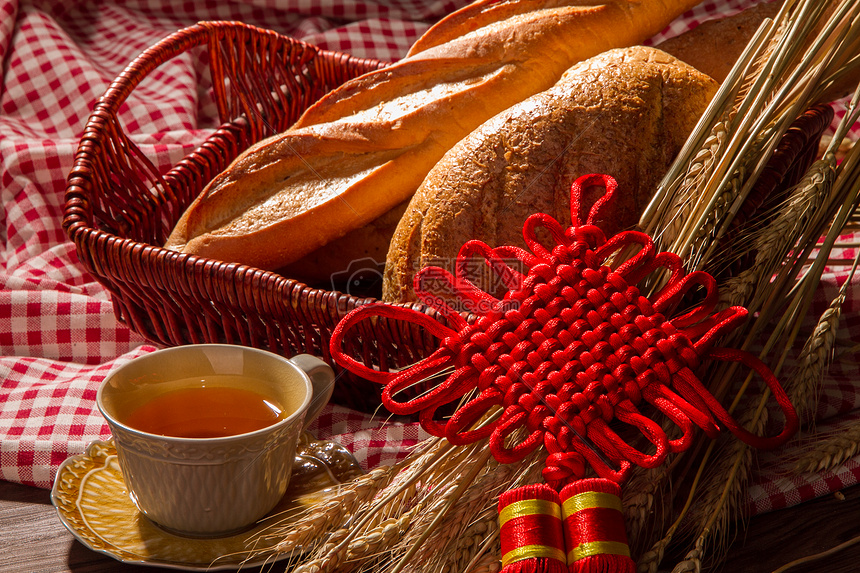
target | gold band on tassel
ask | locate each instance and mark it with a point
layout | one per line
(532, 552)
(589, 499)
(592, 548)
(529, 507)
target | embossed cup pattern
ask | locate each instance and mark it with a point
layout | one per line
(201, 491)
(208, 487)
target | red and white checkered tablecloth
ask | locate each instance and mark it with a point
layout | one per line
(58, 333)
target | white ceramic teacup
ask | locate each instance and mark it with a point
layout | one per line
(212, 486)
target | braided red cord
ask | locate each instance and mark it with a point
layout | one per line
(571, 347)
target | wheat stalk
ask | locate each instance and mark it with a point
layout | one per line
(803, 388)
(823, 555)
(782, 86)
(829, 452)
(457, 541)
(693, 560)
(754, 122)
(639, 496)
(332, 552)
(301, 530)
(650, 561)
(720, 500)
(721, 497)
(699, 171)
(655, 215)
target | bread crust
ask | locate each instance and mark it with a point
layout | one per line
(714, 46)
(366, 146)
(626, 112)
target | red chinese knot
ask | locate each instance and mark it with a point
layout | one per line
(572, 346)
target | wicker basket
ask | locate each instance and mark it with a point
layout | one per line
(119, 211)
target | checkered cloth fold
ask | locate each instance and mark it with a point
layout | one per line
(58, 333)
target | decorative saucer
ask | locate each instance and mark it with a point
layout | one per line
(93, 503)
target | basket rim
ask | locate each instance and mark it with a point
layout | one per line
(76, 222)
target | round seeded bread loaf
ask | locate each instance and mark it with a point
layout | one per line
(626, 113)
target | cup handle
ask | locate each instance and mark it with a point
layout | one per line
(322, 382)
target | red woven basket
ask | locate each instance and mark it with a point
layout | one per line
(119, 210)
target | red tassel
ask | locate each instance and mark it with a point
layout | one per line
(530, 530)
(594, 531)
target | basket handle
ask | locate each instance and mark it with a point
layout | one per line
(90, 155)
(211, 33)
(228, 59)
(157, 54)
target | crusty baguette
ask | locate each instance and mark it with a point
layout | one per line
(367, 145)
(626, 112)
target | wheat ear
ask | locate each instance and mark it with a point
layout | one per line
(692, 562)
(298, 531)
(827, 452)
(393, 500)
(638, 501)
(803, 388)
(720, 500)
(443, 507)
(699, 170)
(450, 545)
(375, 541)
(649, 562)
(791, 222)
(488, 563)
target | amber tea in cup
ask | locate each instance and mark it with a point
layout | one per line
(212, 407)
(206, 434)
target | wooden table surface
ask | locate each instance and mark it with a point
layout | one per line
(32, 539)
